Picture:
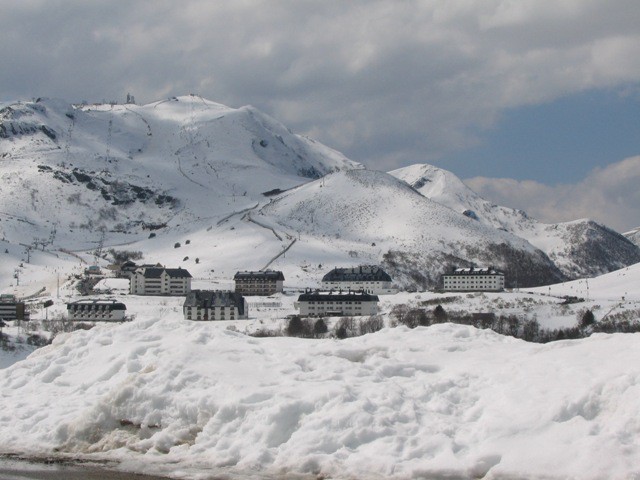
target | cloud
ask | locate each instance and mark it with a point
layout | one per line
(608, 195)
(388, 83)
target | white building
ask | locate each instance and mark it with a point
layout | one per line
(96, 310)
(368, 278)
(215, 305)
(160, 281)
(473, 279)
(336, 304)
(264, 283)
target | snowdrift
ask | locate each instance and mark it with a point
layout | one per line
(444, 401)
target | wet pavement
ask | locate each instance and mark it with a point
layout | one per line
(20, 469)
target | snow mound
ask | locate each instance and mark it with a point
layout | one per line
(443, 401)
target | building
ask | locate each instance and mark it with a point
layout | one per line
(127, 269)
(473, 279)
(369, 278)
(337, 304)
(263, 283)
(12, 309)
(96, 310)
(160, 281)
(93, 270)
(215, 305)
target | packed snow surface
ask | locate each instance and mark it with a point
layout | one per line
(444, 401)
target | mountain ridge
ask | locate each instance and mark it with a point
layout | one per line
(576, 247)
(152, 177)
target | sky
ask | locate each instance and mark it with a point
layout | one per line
(497, 91)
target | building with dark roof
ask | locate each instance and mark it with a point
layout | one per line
(369, 278)
(337, 303)
(160, 281)
(215, 305)
(473, 279)
(264, 283)
(96, 310)
(127, 269)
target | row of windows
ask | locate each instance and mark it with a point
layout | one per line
(335, 303)
(255, 281)
(77, 316)
(311, 307)
(191, 309)
(255, 289)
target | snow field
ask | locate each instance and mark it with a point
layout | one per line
(439, 401)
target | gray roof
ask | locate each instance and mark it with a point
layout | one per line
(332, 296)
(151, 272)
(103, 304)
(265, 274)
(178, 273)
(214, 298)
(363, 273)
(156, 272)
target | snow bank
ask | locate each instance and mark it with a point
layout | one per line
(447, 400)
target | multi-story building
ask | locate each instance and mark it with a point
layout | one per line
(264, 283)
(96, 310)
(12, 309)
(215, 305)
(473, 279)
(332, 303)
(160, 281)
(369, 278)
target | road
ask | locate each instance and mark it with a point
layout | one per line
(15, 469)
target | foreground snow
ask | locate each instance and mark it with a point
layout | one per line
(184, 398)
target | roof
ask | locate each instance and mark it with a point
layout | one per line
(214, 298)
(363, 273)
(156, 272)
(150, 272)
(332, 296)
(7, 298)
(178, 273)
(475, 271)
(111, 304)
(265, 274)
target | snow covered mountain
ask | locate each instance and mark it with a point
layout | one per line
(199, 185)
(127, 168)
(417, 238)
(579, 248)
(634, 235)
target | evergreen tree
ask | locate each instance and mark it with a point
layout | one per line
(295, 327)
(587, 319)
(440, 314)
(320, 328)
